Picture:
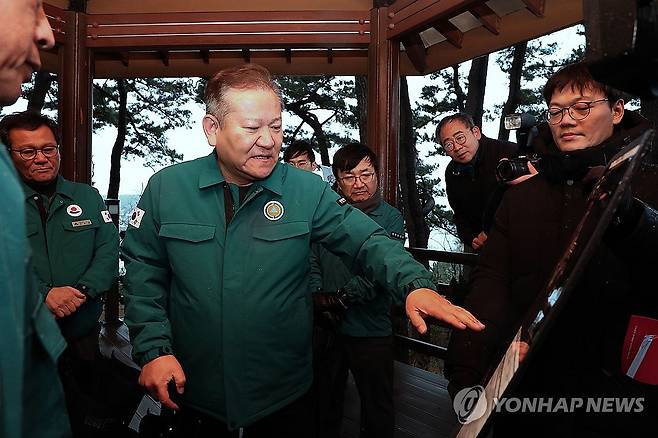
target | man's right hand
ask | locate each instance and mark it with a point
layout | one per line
(157, 374)
(63, 301)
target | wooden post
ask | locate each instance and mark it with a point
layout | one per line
(384, 101)
(75, 81)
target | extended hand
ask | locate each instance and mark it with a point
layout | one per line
(157, 374)
(423, 302)
(63, 301)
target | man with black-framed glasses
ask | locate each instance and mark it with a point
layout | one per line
(75, 249)
(580, 356)
(361, 338)
(470, 176)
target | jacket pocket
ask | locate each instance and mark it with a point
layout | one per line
(188, 232)
(32, 229)
(275, 232)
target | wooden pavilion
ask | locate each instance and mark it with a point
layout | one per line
(381, 39)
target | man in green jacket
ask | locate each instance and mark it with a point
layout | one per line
(216, 257)
(31, 399)
(363, 342)
(74, 243)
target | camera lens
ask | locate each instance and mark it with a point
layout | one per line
(508, 170)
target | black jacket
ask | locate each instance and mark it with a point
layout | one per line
(470, 187)
(533, 225)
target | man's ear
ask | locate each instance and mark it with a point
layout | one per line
(210, 128)
(617, 111)
(476, 132)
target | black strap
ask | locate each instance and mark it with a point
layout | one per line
(44, 216)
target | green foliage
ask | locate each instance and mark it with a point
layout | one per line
(154, 106)
(320, 102)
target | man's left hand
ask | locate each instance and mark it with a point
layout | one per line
(424, 302)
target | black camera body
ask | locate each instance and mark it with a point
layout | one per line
(509, 169)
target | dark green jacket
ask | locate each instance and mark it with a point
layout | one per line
(370, 315)
(233, 302)
(75, 249)
(31, 398)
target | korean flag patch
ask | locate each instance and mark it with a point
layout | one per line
(107, 218)
(136, 217)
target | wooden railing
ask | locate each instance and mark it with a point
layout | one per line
(424, 255)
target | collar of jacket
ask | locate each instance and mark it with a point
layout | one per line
(471, 167)
(64, 187)
(210, 174)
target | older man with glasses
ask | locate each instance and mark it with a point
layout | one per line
(470, 178)
(75, 248)
(535, 222)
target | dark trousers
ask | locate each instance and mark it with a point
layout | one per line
(294, 421)
(77, 372)
(371, 362)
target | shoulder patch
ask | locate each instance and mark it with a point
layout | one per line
(341, 201)
(136, 217)
(397, 235)
(107, 218)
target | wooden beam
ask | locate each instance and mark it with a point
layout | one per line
(384, 102)
(537, 7)
(74, 81)
(489, 19)
(124, 57)
(420, 14)
(521, 25)
(450, 31)
(205, 55)
(415, 50)
(164, 56)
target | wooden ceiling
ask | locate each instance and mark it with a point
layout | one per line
(173, 38)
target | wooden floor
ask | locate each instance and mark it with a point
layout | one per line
(423, 408)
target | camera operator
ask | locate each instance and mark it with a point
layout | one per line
(470, 175)
(532, 228)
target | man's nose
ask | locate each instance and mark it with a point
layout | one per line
(358, 182)
(43, 34)
(266, 139)
(40, 156)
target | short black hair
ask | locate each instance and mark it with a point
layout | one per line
(350, 155)
(297, 148)
(27, 120)
(578, 77)
(466, 119)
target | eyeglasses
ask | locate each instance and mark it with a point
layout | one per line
(577, 111)
(30, 153)
(365, 178)
(449, 145)
(303, 163)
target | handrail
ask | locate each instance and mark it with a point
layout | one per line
(460, 258)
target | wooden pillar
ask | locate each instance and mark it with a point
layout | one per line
(75, 81)
(384, 101)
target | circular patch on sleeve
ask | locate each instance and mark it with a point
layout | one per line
(74, 210)
(273, 210)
